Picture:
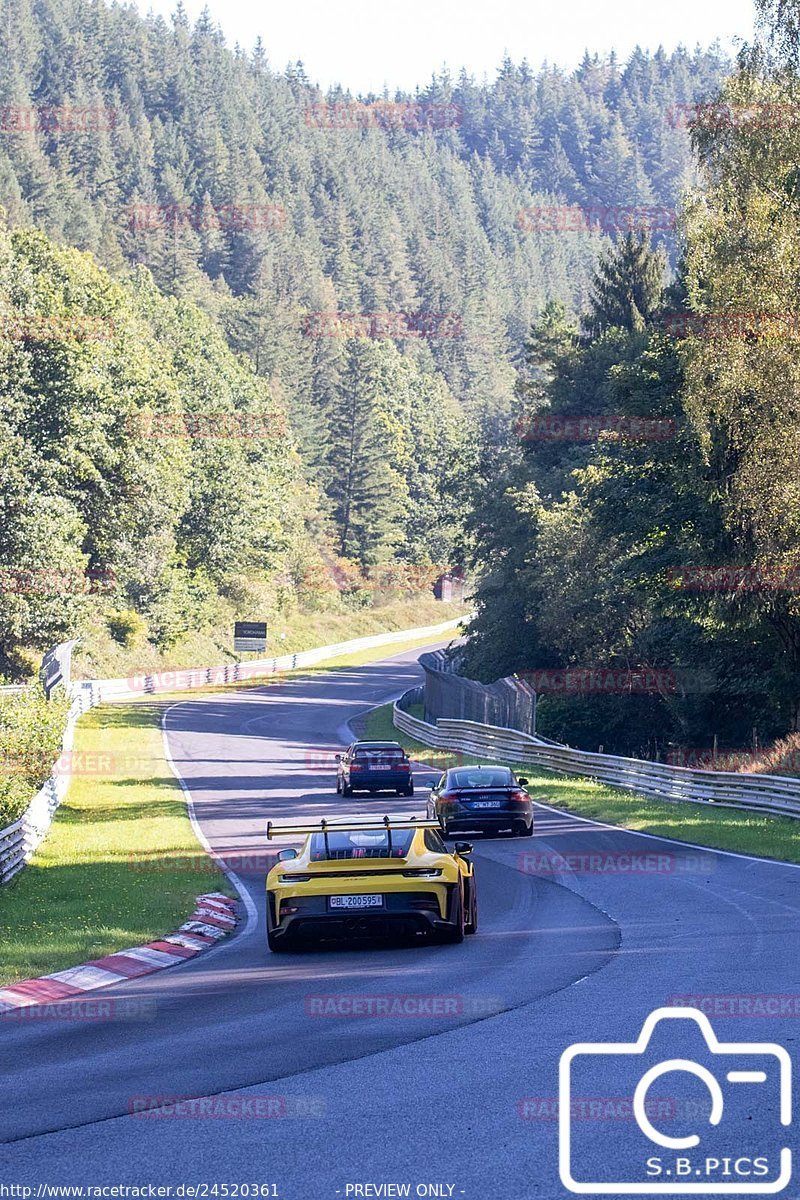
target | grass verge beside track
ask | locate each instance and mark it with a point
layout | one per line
(120, 864)
(717, 828)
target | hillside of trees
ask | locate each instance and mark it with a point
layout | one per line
(251, 252)
(376, 215)
(672, 557)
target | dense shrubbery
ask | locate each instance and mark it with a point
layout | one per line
(31, 729)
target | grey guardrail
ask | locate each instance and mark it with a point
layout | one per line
(774, 795)
(19, 840)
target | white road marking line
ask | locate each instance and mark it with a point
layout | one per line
(246, 898)
(660, 837)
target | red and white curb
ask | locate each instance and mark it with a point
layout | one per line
(214, 916)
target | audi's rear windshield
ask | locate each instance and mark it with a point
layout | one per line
(354, 843)
(481, 777)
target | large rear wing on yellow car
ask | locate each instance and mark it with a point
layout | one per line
(348, 824)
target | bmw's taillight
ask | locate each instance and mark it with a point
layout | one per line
(404, 766)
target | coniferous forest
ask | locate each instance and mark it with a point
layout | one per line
(385, 292)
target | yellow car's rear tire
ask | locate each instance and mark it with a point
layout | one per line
(456, 934)
(471, 925)
(277, 945)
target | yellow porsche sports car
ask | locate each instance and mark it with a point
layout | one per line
(368, 877)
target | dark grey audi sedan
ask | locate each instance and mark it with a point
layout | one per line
(486, 799)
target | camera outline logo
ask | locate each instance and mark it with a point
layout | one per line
(716, 1047)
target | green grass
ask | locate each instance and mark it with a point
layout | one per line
(719, 828)
(120, 865)
(99, 657)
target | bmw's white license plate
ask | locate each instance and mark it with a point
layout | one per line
(355, 901)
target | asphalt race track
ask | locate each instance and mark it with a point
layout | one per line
(584, 930)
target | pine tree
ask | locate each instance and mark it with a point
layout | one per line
(628, 287)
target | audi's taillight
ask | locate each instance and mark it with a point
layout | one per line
(519, 797)
(448, 797)
(356, 767)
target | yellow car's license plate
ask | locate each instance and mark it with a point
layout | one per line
(359, 901)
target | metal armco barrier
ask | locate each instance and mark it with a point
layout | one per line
(774, 795)
(19, 840)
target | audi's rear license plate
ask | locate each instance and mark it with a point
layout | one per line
(487, 803)
(355, 901)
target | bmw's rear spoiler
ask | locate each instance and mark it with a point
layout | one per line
(360, 824)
